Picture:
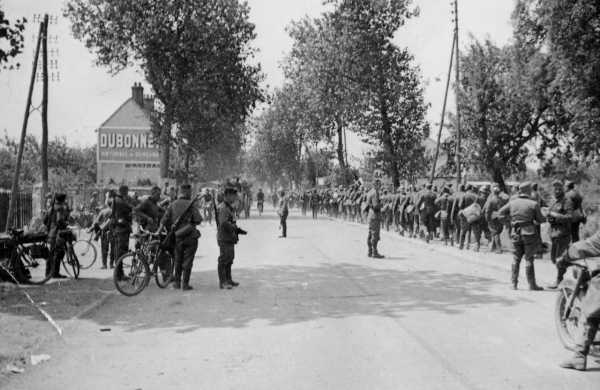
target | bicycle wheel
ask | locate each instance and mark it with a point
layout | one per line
(86, 253)
(131, 274)
(30, 269)
(163, 268)
(70, 262)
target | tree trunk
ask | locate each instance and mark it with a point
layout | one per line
(499, 179)
(340, 144)
(388, 143)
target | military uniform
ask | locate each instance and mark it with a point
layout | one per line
(524, 214)
(426, 210)
(576, 201)
(314, 204)
(466, 227)
(493, 219)
(227, 237)
(101, 225)
(590, 305)
(374, 221)
(559, 218)
(283, 212)
(187, 217)
(120, 229)
(58, 217)
(444, 205)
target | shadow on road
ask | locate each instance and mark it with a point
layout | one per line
(283, 295)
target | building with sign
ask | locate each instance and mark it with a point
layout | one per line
(126, 151)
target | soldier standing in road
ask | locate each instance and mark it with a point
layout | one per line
(374, 219)
(187, 217)
(579, 217)
(148, 212)
(120, 226)
(524, 214)
(56, 221)
(260, 201)
(559, 217)
(283, 212)
(227, 237)
(314, 203)
(101, 227)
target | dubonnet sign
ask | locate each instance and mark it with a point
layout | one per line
(127, 145)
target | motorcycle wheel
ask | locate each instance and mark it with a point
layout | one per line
(568, 329)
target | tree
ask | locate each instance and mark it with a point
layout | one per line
(391, 108)
(195, 54)
(569, 31)
(11, 40)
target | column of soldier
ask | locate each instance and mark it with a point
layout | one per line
(171, 211)
(462, 217)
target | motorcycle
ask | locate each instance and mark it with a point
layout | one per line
(568, 311)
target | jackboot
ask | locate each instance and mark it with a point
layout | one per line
(560, 273)
(579, 360)
(370, 254)
(376, 254)
(530, 272)
(514, 276)
(186, 280)
(229, 279)
(223, 282)
(177, 278)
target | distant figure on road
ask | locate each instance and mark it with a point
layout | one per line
(314, 203)
(374, 219)
(283, 212)
(260, 201)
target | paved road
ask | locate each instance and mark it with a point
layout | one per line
(313, 312)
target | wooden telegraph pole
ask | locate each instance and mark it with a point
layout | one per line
(458, 134)
(44, 148)
(15, 182)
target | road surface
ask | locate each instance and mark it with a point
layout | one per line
(313, 312)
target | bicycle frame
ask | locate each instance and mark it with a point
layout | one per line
(582, 278)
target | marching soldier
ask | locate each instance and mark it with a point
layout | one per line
(524, 214)
(490, 210)
(374, 219)
(443, 203)
(187, 217)
(426, 210)
(466, 200)
(227, 237)
(559, 217)
(283, 212)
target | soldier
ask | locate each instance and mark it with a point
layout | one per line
(559, 217)
(490, 210)
(148, 212)
(187, 218)
(101, 228)
(454, 220)
(304, 199)
(120, 226)
(314, 203)
(466, 223)
(283, 212)
(56, 221)
(524, 214)
(590, 305)
(579, 217)
(444, 205)
(260, 201)
(227, 237)
(426, 209)
(374, 219)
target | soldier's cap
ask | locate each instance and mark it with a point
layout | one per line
(123, 189)
(525, 187)
(185, 186)
(557, 183)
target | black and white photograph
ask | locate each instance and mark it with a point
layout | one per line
(299, 194)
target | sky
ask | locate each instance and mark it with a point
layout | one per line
(87, 95)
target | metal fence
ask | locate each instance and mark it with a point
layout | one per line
(23, 212)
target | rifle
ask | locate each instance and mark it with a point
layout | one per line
(169, 241)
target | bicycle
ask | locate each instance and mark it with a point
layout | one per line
(25, 256)
(69, 261)
(134, 269)
(86, 251)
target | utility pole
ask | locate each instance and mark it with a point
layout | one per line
(15, 183)
(44, 148)
(458, 134)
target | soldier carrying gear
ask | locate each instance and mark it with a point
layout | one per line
(183, 216)
(559, 217)
(101, 228)
(227, 237)
(56, 221)
(121, 220)
(426, 209)
(524, 214)
(373, 205)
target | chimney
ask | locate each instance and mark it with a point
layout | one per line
(137, 93)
